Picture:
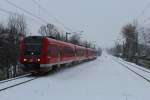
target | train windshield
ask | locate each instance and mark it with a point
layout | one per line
(33, 45)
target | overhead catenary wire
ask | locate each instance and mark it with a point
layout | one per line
(142, 13)
(6, 11)
(144, 10)
(10, 13)
(135, 22)
(49, 14)
(35, 16)
(26, 11)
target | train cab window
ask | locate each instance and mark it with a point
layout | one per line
(52, 50)
(33, 45)
(32, 49)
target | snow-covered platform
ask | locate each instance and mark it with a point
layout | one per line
(101, 79)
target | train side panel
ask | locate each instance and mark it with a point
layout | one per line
(36, 55)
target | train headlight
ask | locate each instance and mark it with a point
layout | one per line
(38, 60)
(24, 59)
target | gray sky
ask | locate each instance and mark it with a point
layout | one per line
(101, 20)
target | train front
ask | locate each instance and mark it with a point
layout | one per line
(31, 53)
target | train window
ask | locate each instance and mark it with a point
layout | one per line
(52, 50)
(68, 51)
(80, 52)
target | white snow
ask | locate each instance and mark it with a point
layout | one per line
(101, 79)
(13, 82)
(141, 72)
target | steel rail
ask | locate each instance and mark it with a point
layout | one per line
(148, 80)
(5, 88)
(11, 79)
(135, 66)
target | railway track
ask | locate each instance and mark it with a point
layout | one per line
(11, 79)
(10, 83)
(5, 88)
(135, 66)
(130, 69)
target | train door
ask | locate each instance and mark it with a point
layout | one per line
(59, 55)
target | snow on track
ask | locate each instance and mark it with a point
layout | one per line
(15, 82)
(11, 79)
(140, 70)
(101, 79)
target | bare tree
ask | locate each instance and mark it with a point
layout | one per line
(62, 37)
(49, 30)
(75, 39)
(130, 35)
(17, 24)
(1, 28)
(42, 31)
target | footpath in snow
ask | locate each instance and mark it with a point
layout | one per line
(101, 79)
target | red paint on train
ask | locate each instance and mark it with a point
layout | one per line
(38, 53)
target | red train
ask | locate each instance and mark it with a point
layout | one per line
(40, 54)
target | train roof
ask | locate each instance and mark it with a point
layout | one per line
(58, 41)
(51, 39)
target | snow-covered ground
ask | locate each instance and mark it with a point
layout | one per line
(101, 79)
(140, 70)
(13, 82)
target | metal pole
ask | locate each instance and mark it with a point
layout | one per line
(67, 36)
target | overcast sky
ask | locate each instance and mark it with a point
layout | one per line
(101, 20)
